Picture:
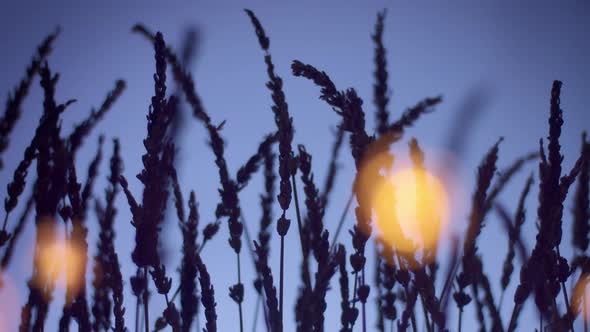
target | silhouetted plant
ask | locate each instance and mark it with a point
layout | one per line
(104, 267)
(12, 113)
(407, 289)
(285, 132)
(188, 269)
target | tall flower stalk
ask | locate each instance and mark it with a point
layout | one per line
(157, 160)
(287, 162)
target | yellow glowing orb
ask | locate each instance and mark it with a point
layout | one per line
(411, 209)
(60, 261)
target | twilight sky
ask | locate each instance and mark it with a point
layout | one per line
(494, 61)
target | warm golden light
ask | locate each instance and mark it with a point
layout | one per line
(59, 261)
(411, 207)
(581, 298)
(65, 260)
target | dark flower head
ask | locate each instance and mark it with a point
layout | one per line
(283, 225)
(236, 292)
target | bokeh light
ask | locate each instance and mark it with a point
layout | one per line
(61, 261)
(411, 206)
(581, 297)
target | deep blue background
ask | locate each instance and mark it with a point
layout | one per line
(503, 55)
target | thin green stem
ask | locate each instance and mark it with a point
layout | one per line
(252, 254)
(260, 299)
(177, 291)
(300, 226)
(363, 303)
(425, 312)
(354, 288)
(175, 294)
(460, 319)
(145, 301)
(565, 297)
(239, 283)
(137, 312)
(266, 321)
(354, 297)
(255, 322)
(248, 240)
(407, 291)
(380, 318)
(141, 322)
(299, 223)
(512, 324)
(5, 221)
(448, 283)
(501, 300)
(281, 278)
(341, 221)
(412, 315)
(201, 246)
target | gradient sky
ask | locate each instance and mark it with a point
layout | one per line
(494, 60)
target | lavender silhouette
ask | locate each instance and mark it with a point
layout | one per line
(407, 291)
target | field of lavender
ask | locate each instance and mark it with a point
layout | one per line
(423, 275)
